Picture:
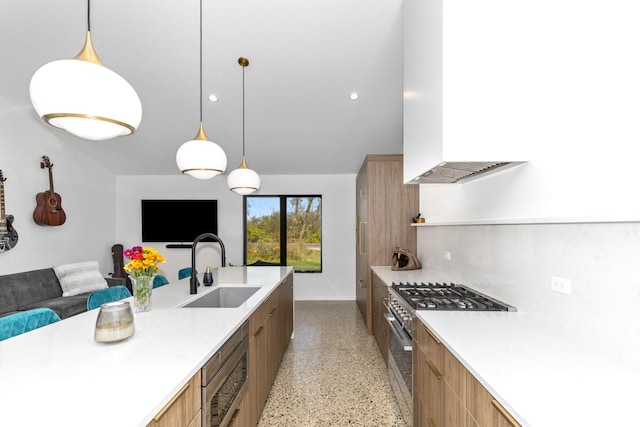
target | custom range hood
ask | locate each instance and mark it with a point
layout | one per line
(459, 122)
(458, 172)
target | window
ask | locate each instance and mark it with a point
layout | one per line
(284, 230)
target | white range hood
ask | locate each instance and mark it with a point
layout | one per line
(462, 118)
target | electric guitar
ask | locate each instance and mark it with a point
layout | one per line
(49, 203)
(8, 234)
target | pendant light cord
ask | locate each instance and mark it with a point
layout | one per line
(243, 112)
(200, 61)
(89, 15)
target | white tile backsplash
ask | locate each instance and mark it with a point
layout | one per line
(515, 263)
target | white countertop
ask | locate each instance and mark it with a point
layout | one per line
(543, 378)
(58, 374)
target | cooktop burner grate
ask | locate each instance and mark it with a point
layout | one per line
(447, 296)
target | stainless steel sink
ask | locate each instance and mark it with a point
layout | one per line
(224, 297)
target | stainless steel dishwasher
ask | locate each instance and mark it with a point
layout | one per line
(224, 379)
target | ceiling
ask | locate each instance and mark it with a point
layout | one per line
(306, 57)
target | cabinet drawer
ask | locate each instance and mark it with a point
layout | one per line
(484, 408)
(455, 375)
(197, 420)
(182, 408)
(446, 394)
(433, 349)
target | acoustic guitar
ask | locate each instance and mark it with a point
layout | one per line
(118, 265)
(8, 234)
(49, 203)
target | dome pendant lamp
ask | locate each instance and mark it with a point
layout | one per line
(201, 158)
(84, 97)
(243, 180)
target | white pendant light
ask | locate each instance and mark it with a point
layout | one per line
(243, 180)
(201, 158)
(84, 97)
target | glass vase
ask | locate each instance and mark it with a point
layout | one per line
(142, 287)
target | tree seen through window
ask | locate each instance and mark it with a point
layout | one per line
(284, 230)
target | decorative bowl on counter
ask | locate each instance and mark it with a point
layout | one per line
(115, 322)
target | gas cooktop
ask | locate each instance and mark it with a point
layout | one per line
(446, 296)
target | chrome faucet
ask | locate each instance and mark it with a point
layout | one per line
(194, 283)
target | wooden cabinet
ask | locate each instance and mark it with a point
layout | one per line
(285, 315)
(252, 404)
(184, 409)
(380, 293)
(384, 210)
(445, 393)
(270, 329)
(428, 387)
(485, 409)
(362, 264)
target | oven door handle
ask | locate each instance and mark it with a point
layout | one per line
(398, 332)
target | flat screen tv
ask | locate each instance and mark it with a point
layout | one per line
(178, 220)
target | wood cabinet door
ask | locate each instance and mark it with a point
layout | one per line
(182, 408)
(380, 327)
(384, 209)
(270, 329)
(455, 411)
(197, 420)
(273, 341)
(501, 417)
(375, 315)
(284, 319)
(286, 302)
(257, 358)
(446, 393)
(419, 376)
(434, 393)
(362, 263)
(430, 384)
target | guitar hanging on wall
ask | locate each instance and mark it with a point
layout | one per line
(8, 234)
(49, 203)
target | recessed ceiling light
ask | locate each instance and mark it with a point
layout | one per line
(354, 96)
(213, 98)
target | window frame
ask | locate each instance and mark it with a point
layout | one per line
(283, 227)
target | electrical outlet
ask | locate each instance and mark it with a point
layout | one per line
(560, 284)
(447, 255)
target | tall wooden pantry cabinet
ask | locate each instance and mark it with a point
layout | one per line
(384, 210)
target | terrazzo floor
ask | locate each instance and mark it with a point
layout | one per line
(332, 373)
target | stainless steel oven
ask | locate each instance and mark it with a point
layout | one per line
(224, 380)
(403, 302)
(400, 368)
(400, 356)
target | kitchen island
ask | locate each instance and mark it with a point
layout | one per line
(58, 375)
(542, 377)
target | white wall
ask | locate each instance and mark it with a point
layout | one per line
(87, 191)
(336, 282)
(572, 89)
(515, 263)
(97, 218)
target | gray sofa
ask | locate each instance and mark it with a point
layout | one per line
(41, 288)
